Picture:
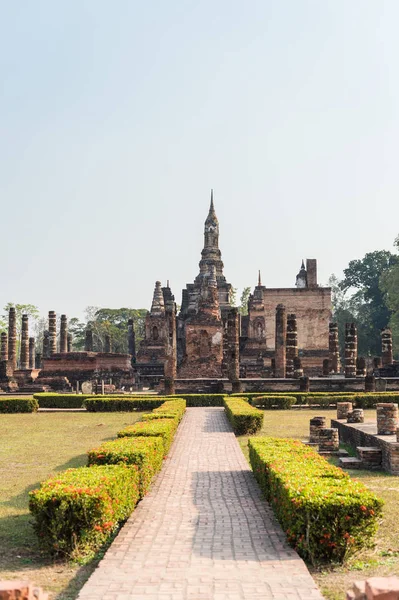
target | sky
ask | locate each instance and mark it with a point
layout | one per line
(117, 118)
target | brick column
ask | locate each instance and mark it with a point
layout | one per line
(386, 343)
(131, 338)
(233, 349)
(89, 340)
(64, 334)
(52, 328)
(69, 342)
(32, 352)
(170, 365)
(4, 346)
(281, 336)
(333, 348)
(361, 366)
(24, 355)
(107, 343)
(292, 344)
(12, 338)
(350, 349)
(46, 344)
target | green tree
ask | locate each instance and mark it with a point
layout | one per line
(367, 303)
(389, 283)
(111, 321)
(243, 308)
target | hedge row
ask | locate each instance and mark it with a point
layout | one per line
(49, 400)
(324, 513)
(243, 417)
(273, 402)
(144, 452)
(76, 511)
(107, 404)
(18, 405)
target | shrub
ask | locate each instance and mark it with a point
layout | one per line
(277, 402)
(76, 511)
(371, 399)
(145, 452)
(243, 417)
(161, 415)
(48, 400)
(324, 513)
(203, 399)
(106, 404)
(164, 428)
(18, 405)
(177, 407)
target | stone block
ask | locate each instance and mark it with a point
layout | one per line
(382, 588)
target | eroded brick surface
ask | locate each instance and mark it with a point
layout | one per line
(203, 532)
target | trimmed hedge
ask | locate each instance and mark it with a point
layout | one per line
(243, 417)
(48, 400)
(76, 511)
(18, 405)
(325, 514)
(164, 428)
(177, 407)
(193, 400)
(145, 452)
(106, 404)
(273, 402)
(371, 399)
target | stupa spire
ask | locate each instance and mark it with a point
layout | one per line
(158, 304)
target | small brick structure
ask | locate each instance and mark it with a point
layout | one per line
(343, 409)
(387, 418)
(356, 416)
(316, 424)
(375, 588)
(328, 439)
(21, 590)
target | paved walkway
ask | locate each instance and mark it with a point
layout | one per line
(203, 532)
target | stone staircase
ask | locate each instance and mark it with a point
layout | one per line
(368, 457)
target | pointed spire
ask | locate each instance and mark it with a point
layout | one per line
(167, 283)
(259, 279)
(303, 265)
(158, 304)
(212, 218)
(212, 207)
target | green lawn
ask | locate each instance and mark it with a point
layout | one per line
(33, 447)
(383, 559)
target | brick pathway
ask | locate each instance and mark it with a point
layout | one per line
(203, 532)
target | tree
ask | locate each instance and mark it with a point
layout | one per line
(367, 304)
(243, 308)
(112, 322)
(389, 283)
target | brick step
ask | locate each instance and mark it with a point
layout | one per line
(342, 452)
(350, 462)
(371, 456)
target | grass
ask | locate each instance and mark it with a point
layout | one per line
(33, 447)
(383, 559)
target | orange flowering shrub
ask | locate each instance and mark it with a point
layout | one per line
(325, 514)
(243, 417)
(77, 510)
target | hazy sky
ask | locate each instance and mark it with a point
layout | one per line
(117, 117)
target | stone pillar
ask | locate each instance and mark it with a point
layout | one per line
(32, 353)
(333, 348)
(233, 349)
(387, 418)
(292, 344)
(64, 334)
(131, 338)
(298, 371)
(4, 346)
(377, 362)
(69, 342)
(326, 367)
(46, 344)
(304, 384)
(107, 343)
(89, 340)
(386, 344)
(24, 354)
(350, 349)
(170, 364)
(281, 336)
(315, 425)
(52, 328)
(369, 383)
(328, 440)
(12, 338)
(356, 416)
(361, 366)
(343, 409)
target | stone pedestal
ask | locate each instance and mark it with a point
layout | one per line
(387, 418)
(343, 409)
(316, 425)
(356, 416)
(328, 440)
